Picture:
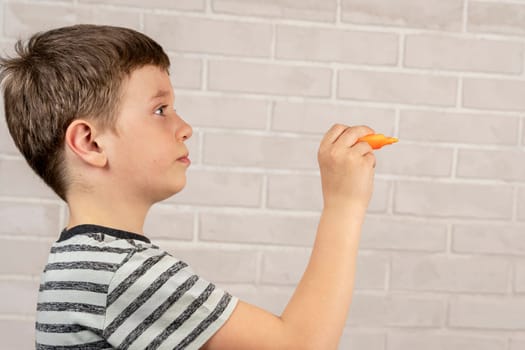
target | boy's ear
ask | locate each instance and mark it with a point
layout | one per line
(80, 138)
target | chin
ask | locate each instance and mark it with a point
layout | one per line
(173, 190)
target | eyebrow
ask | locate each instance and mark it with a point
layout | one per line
(160, 93)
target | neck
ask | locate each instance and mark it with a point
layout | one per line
(126, 214)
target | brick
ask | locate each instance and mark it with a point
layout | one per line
(275, 79)
(370, 310)
(108, 16)
(380, 196)
(311, 117)
(519, 282)
(445, 15)
(487, 313)
(430, 126)
(362, 339)
(218, 265)
(517, 344)
(185, 73)
(453, 200)
(261, 151)
(14, 256)
(223, 112)
(400, 340)
(214, 188)
(499, 18)
(386, 233)
(495, 94)
(22, 20)
(521, 204)
(194, 5)
(460, 54)
(18, 297)
(31, 219)
(165, 221)
(488, 239)
(208, 36)
(407, 88)
(312, 10)
(523, 135)
(285, 266)
(288, 192)
(18, 180)
(416, 161)
(290, 229)
(371, 271)
(439, 273)
(17, 334)
(7, 49)
(489, 164)
(332, 45)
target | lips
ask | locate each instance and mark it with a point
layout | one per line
(184, 159)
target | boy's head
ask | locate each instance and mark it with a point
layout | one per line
(65, 74)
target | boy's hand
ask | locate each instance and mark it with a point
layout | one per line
(347, 168)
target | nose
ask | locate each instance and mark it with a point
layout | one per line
(184, 130)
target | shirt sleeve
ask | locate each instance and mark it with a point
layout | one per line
(157, 301)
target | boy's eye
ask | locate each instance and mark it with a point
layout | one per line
(160, 110)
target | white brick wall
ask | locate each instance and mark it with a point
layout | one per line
(442, 257)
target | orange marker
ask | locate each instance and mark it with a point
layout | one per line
(377, 140)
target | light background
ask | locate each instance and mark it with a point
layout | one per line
(442, 258)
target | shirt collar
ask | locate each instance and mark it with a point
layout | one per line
(89, 228)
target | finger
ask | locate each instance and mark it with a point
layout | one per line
(350, 136)
(334, 132)
(332, 135)
(362, 148)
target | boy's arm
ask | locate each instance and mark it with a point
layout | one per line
(316, 314)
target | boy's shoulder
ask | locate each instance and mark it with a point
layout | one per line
(91, 260)
(99, 253)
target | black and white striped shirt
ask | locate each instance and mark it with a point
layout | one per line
(110, 289)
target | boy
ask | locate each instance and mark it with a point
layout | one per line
(91, 108)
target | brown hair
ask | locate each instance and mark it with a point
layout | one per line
(64, 74)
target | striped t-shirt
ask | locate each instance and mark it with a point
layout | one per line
(111, 289)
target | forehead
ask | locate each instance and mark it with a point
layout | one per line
(146, 83)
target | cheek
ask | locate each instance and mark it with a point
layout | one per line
(148, 148)
(161, 157)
